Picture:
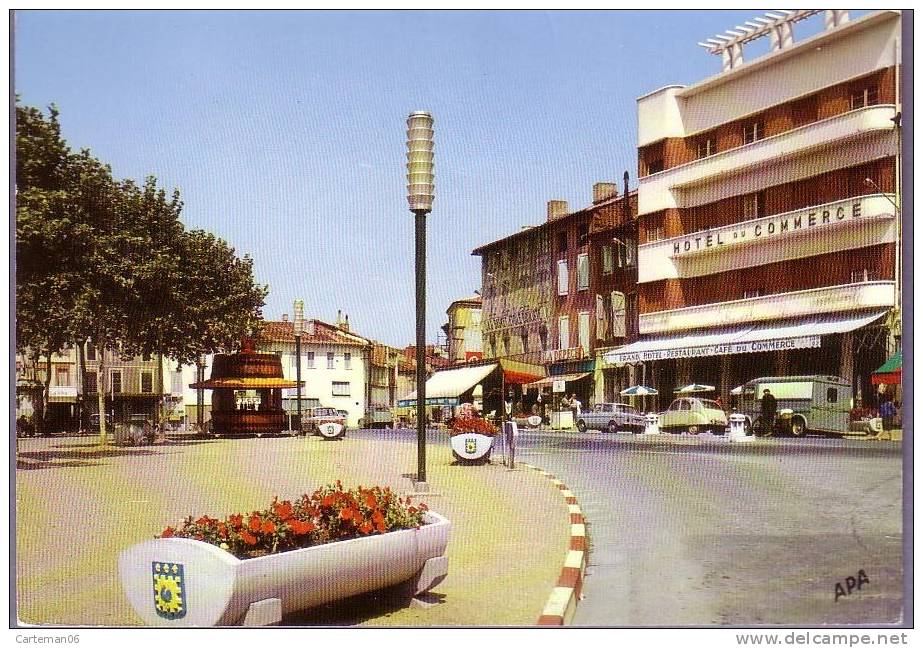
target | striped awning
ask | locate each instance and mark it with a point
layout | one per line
(890, 372)
(550, 380)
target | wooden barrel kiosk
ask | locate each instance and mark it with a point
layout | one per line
(247, 393)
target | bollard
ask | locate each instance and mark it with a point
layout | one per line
(510, 432)
(653, 424)
(737, 432)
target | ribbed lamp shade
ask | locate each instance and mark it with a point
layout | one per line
(299, 317)
(420, 187)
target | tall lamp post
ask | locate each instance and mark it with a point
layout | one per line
(299, 330)
(420, 193)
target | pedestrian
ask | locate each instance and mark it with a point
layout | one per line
(575, 406)
(887, 411)
(768, 412)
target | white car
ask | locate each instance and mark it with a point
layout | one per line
(614, 417)
(694, 415)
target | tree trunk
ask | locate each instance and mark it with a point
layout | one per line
(46, 384)
(159, 409)
(81, 383)
(101, 383)
(38, 403)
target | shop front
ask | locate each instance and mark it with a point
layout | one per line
(848, 345)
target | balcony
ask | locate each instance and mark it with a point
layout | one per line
(846, 224)
(830, 299)
(668, 189)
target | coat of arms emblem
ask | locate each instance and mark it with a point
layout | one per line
(169, 589)
(471, 446)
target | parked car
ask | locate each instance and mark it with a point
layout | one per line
(614, 417)
(803, 404)
(316, 416)
(94, 422)
(694, 415)
(378, 416)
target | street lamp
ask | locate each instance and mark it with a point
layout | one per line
(420, 193)
(299, 330)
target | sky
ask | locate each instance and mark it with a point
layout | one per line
(285, 130)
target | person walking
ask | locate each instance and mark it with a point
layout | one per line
(768, 412)
(887, 411)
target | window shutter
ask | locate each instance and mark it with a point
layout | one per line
(618, 314)
(600, 318)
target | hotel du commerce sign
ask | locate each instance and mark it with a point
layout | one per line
(766, 227)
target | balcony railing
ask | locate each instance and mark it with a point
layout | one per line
(655, 190)
(830, 299)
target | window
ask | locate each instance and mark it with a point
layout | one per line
(607, 259)
(631, 252)
(89, 384)
(654, 233)
(754, 205)
(862, 97)
(347, 360)
(618, 313)
(863, 275)
(583, 271)
(562, 277)
(562, 241)
(583, 329)
(655, 166)
(754, 131)
(831, 395)
(600, 318)
(583, 234)
(706, 146)
(310, 360)
(685, 405)
(524, 339)
(564, 332)
(340, 388)
(750, 294)
(147, 382)
(116, 382)
(91, 351)
(61, 376)
(330, 359)
(631, 315)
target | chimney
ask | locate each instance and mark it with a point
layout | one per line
(284, 317)
(603, 191)
(556, 209)
(344, 325)
(309, 327)
(339, 318)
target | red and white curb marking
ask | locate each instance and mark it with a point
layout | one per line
(561, 605)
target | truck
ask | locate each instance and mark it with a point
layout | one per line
(804, 404)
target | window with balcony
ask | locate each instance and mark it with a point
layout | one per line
(863, 275)
(562, 277)
(147, 382)
(655, 166)
(62, 376)
(562, 241)
(583, 234)
(583, 271)
(706, 146)
(654, 233)
(115, 381)
(330, 359)
(754, 205)
(339, 388)
(90, 382)
(564, 332)
(754, 131)
(750, 294)
(862, 97)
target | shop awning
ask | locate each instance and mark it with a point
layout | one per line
(777, 335)
(550, 380)
(444, 387)
(890, 372)
(520, 373)
(62, 394)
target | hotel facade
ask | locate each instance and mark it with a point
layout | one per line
(768, 210)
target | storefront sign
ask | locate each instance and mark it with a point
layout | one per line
(808, 342)
(763, 228)
(558, 386)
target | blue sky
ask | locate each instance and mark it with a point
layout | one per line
(285, 131)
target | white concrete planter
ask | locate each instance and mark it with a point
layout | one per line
(182, 582)
(332, 430)
(471, 447)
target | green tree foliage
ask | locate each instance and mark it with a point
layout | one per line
(110, 261)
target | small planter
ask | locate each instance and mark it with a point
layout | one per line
(472, 448)
(182, 582)
(331, 431)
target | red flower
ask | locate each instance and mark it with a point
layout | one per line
(327, 501)
(300, 528)
(283, 509)
(268, 527)
(255, 522)
(247, 537)
(370, 501)
(346, 514)
(168, 532)
(379, 520)
(206, 521)
(236, 521)
(222, 531)
(365, 527)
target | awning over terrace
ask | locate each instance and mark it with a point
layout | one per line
(444, 387)
(777, 335)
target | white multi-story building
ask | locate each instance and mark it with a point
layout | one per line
(767, 206)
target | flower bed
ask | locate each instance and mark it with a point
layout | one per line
(329, 514)
(472, 426)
